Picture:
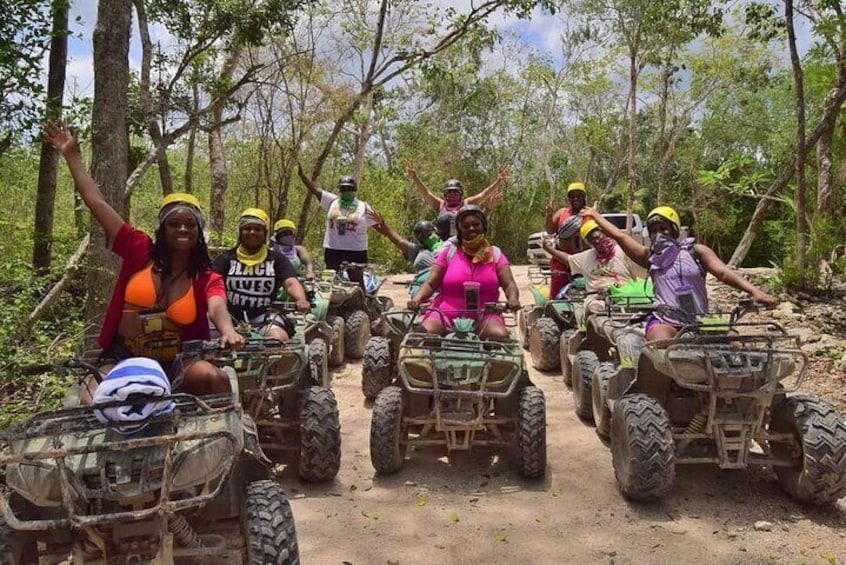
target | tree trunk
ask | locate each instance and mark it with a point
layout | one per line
(109, 142)
(217, 155)
(663, 143)
(825, 170)
(192, 143)
(147, 114)
(48, 164)
(801, 186)
(364, 133)
(633, 73)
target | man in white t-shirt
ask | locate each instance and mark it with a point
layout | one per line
(347, 222)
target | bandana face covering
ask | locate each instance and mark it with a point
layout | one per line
(347, 197)
(605, 249)
(286, 241)
(433, 243)
(479, 248)
(453, 198)
(251, 260)
(665, 250)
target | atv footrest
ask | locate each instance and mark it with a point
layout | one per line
(733, 443)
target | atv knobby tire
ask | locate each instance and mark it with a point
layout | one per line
(642, 447)
(543, 344)
(269, 525)
(318, 362)
(357, 332)
(818, 475)
(376, 371)
(320, 434)
(599, 394)
(387, 436)
(336, 348)
(586, 362)
(563, 355)
(531, 433)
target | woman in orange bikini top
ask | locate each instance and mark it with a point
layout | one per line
(170, 273)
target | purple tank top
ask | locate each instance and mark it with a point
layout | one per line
(682, 273)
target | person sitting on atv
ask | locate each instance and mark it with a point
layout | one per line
(603, 265)
(555, 221)
(569, 242)
(453, 196)
(422, 253)
(678, 269)
(284, 242)
(253, 275)
(165, 291)
(472, 258)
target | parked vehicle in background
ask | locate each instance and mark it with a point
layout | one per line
(537, 256)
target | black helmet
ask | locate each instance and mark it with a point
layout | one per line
(454, 184)
(443, 225)
(466, 211)
(347, 182)
(422, 230)
(570, 227)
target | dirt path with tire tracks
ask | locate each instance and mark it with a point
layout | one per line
(475, 508)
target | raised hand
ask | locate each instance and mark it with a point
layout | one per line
(410, 170)
(61, 137)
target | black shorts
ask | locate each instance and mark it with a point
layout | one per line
(334, 257)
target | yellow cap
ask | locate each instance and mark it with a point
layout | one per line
(256, 213)
(588, 227)
(183, 197)
(284, 224)
(666, 213)
(576, 186)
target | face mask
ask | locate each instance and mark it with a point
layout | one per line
(664, 251)
(433, 242)
(347, 197)
(453, 198)
(286, 240)
(605, 249)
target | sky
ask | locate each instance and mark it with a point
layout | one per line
(542, 33)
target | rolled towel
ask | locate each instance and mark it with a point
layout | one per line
(133, 379)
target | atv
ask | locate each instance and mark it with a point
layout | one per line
(593, 345)
(545, 324)
(190, 485)
(282, 389)
(459, 391)
(321, 324)
(717, 393)
(379, 366)
(353, 310)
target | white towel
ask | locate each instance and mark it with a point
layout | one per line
(128, 380)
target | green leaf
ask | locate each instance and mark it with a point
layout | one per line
(501, 538)
(454, 518)
(421, 500)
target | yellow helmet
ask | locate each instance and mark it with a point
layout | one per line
(256, 213)
(284, 223)
(183, 197)
(576, 186)
(666, 213)
(588, 227)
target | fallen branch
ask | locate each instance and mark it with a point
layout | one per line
(70, 271)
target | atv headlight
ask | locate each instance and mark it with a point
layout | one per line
(201, 463)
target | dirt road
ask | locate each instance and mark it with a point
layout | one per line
(475, 508)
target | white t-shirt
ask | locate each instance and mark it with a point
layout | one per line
(346, 228)
(599, 277)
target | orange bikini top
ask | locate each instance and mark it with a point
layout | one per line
(141, 292)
